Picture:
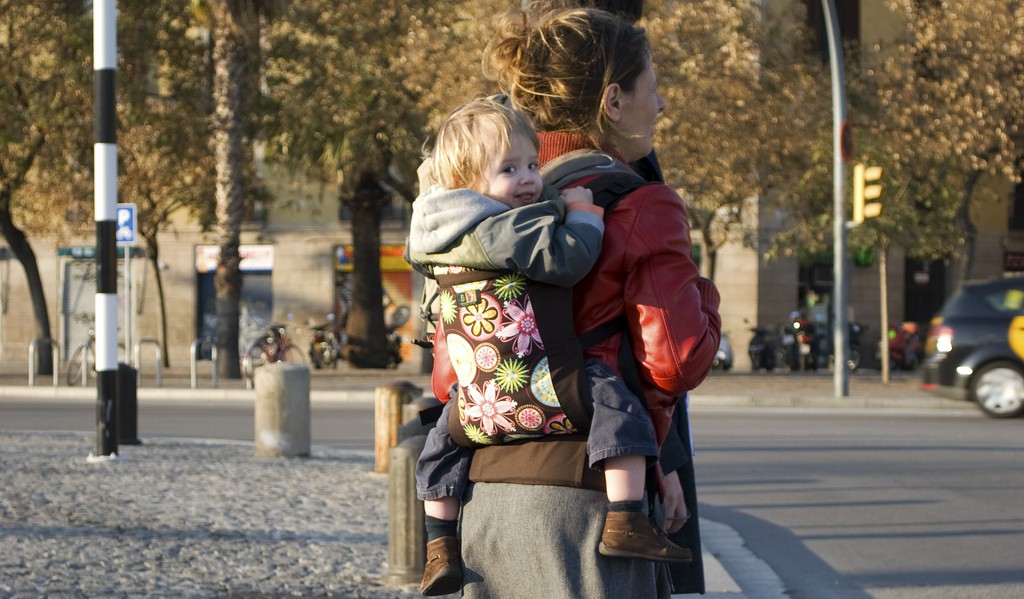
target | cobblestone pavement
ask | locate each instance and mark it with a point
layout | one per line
(186, 518)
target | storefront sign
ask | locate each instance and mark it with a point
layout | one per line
(255, 258)
(1013, 261)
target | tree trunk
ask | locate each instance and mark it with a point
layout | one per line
(367, 338)
(153, 251)
(883, 290)
(229, 60)
(967, 230)
(23, 252)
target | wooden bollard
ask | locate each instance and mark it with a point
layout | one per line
(387, 417)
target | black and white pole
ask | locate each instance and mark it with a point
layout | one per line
(104, 28)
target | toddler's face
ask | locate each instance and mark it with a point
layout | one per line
(514, 178)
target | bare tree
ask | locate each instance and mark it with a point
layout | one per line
(354, 86)
(44, 135)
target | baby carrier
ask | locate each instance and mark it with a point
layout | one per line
(511, 340)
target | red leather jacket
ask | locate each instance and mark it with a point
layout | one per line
(646, 272)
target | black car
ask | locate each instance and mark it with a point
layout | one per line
(975, 348)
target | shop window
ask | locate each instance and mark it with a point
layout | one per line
(1017, 208)
(848, 15)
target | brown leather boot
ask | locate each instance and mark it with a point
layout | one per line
(443, 573)
(632, 534)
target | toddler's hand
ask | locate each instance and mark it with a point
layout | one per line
(577, 194)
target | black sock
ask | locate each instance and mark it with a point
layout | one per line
(626, 506)
(437, 528)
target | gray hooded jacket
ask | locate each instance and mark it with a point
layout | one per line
(465, 228)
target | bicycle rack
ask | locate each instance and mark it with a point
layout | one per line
(194, 360)
(138, 361)
(86, 351)
(248, 370)
(55, 349)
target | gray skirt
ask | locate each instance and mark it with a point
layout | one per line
(533, 541)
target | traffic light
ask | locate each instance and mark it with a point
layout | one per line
(866, 189)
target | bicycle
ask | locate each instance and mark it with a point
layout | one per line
(78, 364)
(274, 346)
(325, 344)
(76, 369)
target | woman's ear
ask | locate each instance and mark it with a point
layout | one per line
(611, 102)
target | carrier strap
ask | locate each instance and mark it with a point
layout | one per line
(627, 363)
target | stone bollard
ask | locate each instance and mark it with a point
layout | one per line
(387, 417)
(407, 545)
(282, 410)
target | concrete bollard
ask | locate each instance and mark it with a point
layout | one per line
(282, 410)
(387, 417)
(407, 545)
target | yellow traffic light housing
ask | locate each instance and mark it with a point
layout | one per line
(866, 189)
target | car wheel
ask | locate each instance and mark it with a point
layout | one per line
(998, 390)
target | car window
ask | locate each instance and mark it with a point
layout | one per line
(1008, 301)
(973, 302)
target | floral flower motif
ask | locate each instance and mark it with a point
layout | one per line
(475, 435)
(490, 410)
(523, 328)
(479, 319)
(447, 309)
(509, 286)
(511, 375)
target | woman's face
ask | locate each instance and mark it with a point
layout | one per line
(634, 115)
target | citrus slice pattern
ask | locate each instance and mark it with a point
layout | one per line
(460, 352)
(487, 357)
(541, 386)
(530, 418)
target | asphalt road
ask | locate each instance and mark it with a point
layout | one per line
(348, 425)
(855, 504)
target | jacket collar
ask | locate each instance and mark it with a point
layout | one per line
(555, 143)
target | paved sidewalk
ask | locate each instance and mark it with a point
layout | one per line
(345, 384)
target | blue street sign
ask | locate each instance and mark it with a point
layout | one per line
(127, 224)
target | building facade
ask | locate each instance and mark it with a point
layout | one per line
(296, 271)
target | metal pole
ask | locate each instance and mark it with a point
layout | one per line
(104, 24)
(840, 291)
(128, 306)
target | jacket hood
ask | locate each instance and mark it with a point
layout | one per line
(441, 217)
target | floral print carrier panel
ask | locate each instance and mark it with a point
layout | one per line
(505, 390)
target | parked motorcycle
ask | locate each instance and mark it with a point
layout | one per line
(905, 346)
(794, 343)
(724, 356)
(762, 348)
(325, 344)
(398, 317)
(853, 355)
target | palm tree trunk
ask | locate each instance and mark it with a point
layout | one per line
(367, 339)
(229, 63)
